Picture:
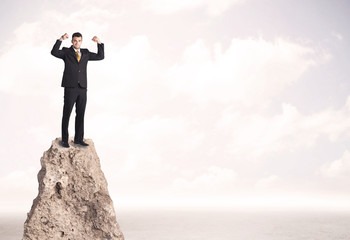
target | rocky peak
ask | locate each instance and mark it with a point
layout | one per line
(73, 201)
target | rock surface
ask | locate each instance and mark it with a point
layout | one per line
(73, 201)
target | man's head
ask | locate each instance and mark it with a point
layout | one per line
(77, 38)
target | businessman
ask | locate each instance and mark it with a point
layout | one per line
(74, 81)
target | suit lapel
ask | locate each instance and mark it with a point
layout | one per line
(74, 54)
(83, 54)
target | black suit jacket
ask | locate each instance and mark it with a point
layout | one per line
(75, 72)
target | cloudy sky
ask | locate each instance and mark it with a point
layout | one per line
(198, 103)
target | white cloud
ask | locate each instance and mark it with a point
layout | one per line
(337, 35)
(17, 184)
(172, 6)
(339, 168)
(212, 179)
(248, 71)
(21, 73)
(255, 134)
(267, 182)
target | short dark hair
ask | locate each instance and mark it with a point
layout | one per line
(77, 34)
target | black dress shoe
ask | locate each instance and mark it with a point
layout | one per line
(82, 143)
(64, 144)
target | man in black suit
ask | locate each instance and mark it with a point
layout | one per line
(74, 81)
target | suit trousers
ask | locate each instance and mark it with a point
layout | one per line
(74, 95)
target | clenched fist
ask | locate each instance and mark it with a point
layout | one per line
(96, 39)
(64, 37)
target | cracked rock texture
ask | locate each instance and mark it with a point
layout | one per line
(73, 201)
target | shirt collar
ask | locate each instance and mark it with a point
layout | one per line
(75, 49)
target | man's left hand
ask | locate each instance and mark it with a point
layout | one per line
(96, 39)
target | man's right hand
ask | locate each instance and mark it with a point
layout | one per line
(64, 37)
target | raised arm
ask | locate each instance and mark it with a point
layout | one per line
(100, 50)
(56, 48)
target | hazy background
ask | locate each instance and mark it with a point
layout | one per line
(197, 104)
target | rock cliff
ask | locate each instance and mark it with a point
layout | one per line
(73, 201)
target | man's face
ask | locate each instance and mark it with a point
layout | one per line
(76, 41)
